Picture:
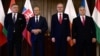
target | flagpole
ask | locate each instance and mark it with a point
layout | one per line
(97, 49)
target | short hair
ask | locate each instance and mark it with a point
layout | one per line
(36, 7)
(81, 7)
(14, 4)
(60, 3)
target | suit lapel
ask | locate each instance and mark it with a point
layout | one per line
(80, 21)
(85, 20)
(11, 18)
(17, 18)
(39, 19)
(33, 19)
(57, 18)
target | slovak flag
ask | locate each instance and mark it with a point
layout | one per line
(28, 13)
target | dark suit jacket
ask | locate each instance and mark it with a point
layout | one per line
(58, 30)
(85, 32)
(18, 26)
(42, 24)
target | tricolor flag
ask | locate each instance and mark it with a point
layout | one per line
(96, 17)
(28, 12)
(84, 4)
(9, 11)
(3, 39)
(70, 10)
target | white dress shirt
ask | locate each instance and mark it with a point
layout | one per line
(37, 18)
(15, 16)
(59, 15)
(82, 18)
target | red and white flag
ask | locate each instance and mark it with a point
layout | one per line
(70, 10)
(28, 12)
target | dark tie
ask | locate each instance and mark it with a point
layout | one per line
(83, 20)
(60, 18)
(14, 19)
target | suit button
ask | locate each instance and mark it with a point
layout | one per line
(14, 31)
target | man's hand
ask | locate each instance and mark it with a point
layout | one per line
(39, 30)
(93, 40)
(36, 31)
(74, 41)
(68, 38)
(53, 39)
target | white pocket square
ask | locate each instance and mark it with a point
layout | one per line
(20, 18)
(65, 18)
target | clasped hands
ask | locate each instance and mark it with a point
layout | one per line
(36, 31)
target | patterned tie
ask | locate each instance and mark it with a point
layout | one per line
(60, 18)
(36, 19)
(83, 20)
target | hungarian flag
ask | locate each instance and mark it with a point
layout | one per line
(27, 11)
(70, 10)
(96, 17)
(3, 39)
(9, 11)
(84, 4)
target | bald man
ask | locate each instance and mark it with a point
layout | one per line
(37, 26)
(60, 30)
(83, 33)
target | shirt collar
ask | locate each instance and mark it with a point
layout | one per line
(59, 13)
(15, 15)
(36, 16)
(82, 16)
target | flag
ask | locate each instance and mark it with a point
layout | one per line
(84, 4)
(70, 10)
(96, 17)
(9, 11)
(27, 11)
(3, 39)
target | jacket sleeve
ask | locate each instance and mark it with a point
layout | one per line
(52, 27)
(74, 33)
(93, 29)
(23, 23)
(68, 27)
(29, 25)
(44, 26)
(6, 21)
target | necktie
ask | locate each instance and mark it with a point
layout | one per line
(14, 19)
(36, 19)
(83, 20)
(60, 19)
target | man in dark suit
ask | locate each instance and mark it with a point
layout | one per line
(14, 23)
(37, 26)
(60, 31)
(83, 33)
